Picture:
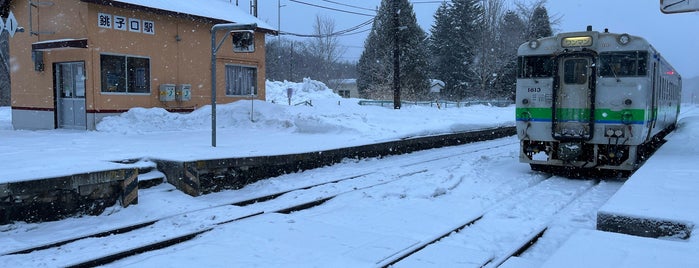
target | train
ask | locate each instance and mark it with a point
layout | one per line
(593, 101)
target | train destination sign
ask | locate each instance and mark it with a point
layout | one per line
(577, 41)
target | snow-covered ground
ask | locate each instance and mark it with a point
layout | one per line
(353, 230)
(245, 128)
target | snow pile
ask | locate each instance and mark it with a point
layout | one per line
(236, 114)
(319, 111)
(308, 90)
(240, 114)
(5, 118)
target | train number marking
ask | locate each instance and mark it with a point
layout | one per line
(534, 89)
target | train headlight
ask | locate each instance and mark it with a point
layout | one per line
(618, 132)
(628, 102)
(623, 39)
(534, 44)
(525, 101)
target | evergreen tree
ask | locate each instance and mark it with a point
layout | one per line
(439, 49)
(539, 24)
(454, 41)
(375, 66)
(511, 37)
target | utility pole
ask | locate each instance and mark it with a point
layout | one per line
(279, 22)
(253, 8)
(396, 55)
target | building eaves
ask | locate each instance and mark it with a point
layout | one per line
(216, 11)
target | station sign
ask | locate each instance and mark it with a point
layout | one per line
(9, 24)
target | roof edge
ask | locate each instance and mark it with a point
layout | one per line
(118, 4)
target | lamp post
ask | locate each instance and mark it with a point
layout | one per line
(214, 48)
(396, 56)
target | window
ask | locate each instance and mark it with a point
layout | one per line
(627, 63)
(344, 93)
(535, 66)
(125, 74)
(241, 80)
(575, 71)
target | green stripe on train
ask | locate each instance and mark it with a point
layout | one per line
(544, 114)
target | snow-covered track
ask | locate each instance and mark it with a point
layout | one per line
(151, 239)
(499, 231)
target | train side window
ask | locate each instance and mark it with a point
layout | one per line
(535, 66)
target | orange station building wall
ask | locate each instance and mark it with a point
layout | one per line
(179, 51)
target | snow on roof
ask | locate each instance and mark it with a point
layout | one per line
(213, 9)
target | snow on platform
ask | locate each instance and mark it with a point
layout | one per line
(591, 248)
(659, 200)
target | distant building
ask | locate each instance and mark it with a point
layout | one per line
(78, 61)
(436, 87)
(346, 88)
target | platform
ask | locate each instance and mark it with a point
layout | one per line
(659, 200)
(211, 175)
(47, 199)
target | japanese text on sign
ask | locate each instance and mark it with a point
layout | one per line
(120, 23)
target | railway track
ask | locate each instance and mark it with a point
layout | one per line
(144, 236)
(491, 238)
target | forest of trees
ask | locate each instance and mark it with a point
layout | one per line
(471, 47)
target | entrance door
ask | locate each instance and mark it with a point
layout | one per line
(573, 106)
(70, 95)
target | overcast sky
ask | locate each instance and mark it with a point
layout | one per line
(676, 36)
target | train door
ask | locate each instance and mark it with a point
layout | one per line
(573, 108)
(69, 78)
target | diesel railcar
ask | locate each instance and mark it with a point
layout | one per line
(593, 100)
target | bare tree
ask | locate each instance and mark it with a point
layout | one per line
(526, 12)
(324, 48)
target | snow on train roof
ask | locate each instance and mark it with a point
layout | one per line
(213, 9)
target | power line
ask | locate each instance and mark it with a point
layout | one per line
(330, 8)
(428, 2)
(342, 4)
(347, 31)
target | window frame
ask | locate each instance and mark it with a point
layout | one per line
(535, 66)
(128, 84)
(230, 91)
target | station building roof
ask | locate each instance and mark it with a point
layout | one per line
(222, 11)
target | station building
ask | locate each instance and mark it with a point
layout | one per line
(78, 61)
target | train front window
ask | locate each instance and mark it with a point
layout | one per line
(575, 71)
(535, 66)
(626, 63)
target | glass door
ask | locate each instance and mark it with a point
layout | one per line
(573, 106)
(70, 95)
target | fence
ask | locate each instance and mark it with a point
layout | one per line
(439, 104)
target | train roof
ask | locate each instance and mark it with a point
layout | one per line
(594, 40)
